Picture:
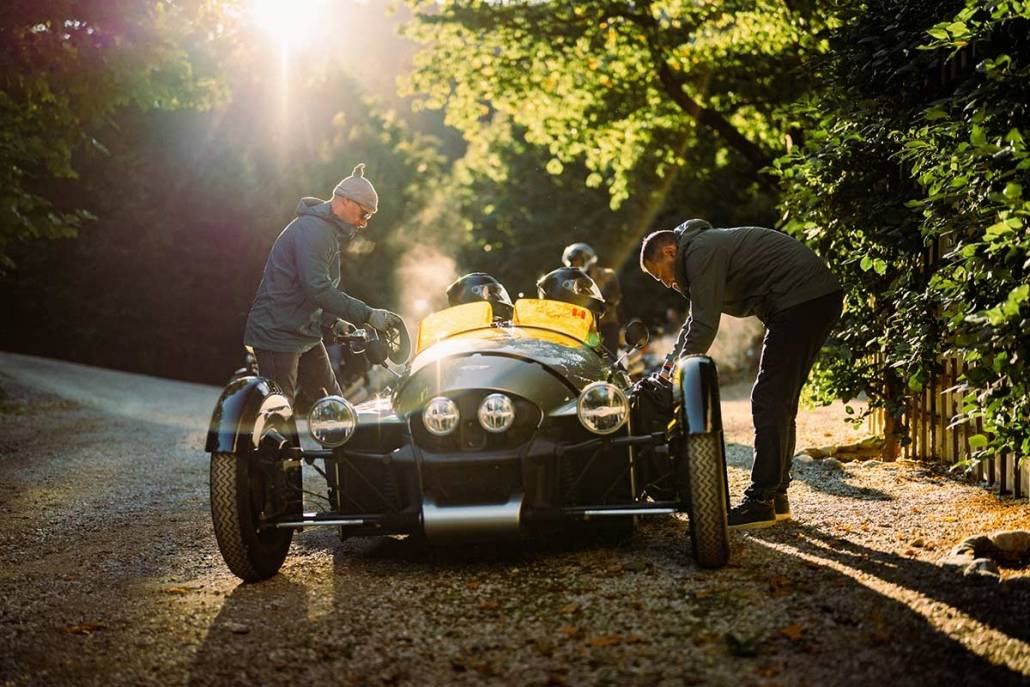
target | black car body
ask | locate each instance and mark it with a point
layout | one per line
(496, 429)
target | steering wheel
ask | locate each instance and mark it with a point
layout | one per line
(398, 343)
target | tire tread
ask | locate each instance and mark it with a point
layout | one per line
(706, 465)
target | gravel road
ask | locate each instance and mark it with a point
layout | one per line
(109, 574)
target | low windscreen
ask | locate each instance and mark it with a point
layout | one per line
(450, 321)
(556, 316)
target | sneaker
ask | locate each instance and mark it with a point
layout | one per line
(751, 514)
(782, 507)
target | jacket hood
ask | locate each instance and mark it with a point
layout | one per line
(322, 209)
(690, 229)
(684, 233)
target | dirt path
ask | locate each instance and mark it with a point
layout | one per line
(109, 574)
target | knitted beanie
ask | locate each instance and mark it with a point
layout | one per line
(359, 189)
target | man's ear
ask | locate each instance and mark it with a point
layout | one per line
(669, 250)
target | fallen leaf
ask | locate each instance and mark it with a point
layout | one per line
(472, 584)
(489, 604)
(571, 631)
(84, 628)
(781, 586)
(909, 552)
(569, 609)
(792, 631)
(701, 593)
(767, 671)
(605, 640)
(176, 590)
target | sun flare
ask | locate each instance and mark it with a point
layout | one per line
(289, 21)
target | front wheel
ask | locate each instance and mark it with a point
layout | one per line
(239, 493)
(706, 494)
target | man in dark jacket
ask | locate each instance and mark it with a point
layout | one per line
(299, 290)
(748, 271)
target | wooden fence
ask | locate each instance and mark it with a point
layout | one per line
(934, 438)
(929, 416)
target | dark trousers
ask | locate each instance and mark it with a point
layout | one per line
(311, 369)
(792, 341)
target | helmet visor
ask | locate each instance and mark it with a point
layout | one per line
(491, 292)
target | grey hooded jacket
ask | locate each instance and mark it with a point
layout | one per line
(299, 286)
(741, 271)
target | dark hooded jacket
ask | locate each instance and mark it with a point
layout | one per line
(741, 271)
(298, 289)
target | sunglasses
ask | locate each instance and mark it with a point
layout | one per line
(365, 214)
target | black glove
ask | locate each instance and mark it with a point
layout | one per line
(384, 319)
(657, 390)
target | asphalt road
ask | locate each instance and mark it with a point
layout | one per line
(109, 574)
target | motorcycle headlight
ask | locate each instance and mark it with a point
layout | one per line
(440, 416)
(496, 413)
(332, 421)
(602, 408)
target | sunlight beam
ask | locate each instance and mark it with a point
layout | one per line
(977, 637)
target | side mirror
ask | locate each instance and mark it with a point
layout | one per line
(376, 350)
(636, 334)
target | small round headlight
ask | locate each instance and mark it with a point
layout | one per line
(602, 408)
(440, 416)
(332, 421)
(496, 413)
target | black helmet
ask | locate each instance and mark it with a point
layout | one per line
(579, 255)
(480, 286)
(572, 285)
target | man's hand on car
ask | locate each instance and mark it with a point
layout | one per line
(341, 328)
(656, 388)
(384, 319)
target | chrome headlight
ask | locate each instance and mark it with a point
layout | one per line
(332, 421)
(602, 408)
(496, 413)
(440, 416)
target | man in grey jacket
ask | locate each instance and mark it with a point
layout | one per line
(299, 293)
(748, 271)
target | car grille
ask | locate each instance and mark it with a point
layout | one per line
(469, 483)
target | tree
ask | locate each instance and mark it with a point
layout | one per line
(620, 86)
(908, 149)
(188, 203)
(66, 67)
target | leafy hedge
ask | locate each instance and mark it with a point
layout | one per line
(916, 137)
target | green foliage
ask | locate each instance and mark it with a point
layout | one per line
(916, 139)
(188, 203)
(66, 67)
(620, 87)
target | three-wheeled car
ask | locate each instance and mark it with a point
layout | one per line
(495, 429)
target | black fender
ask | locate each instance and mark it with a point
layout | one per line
(695, 391)
(242, 411)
